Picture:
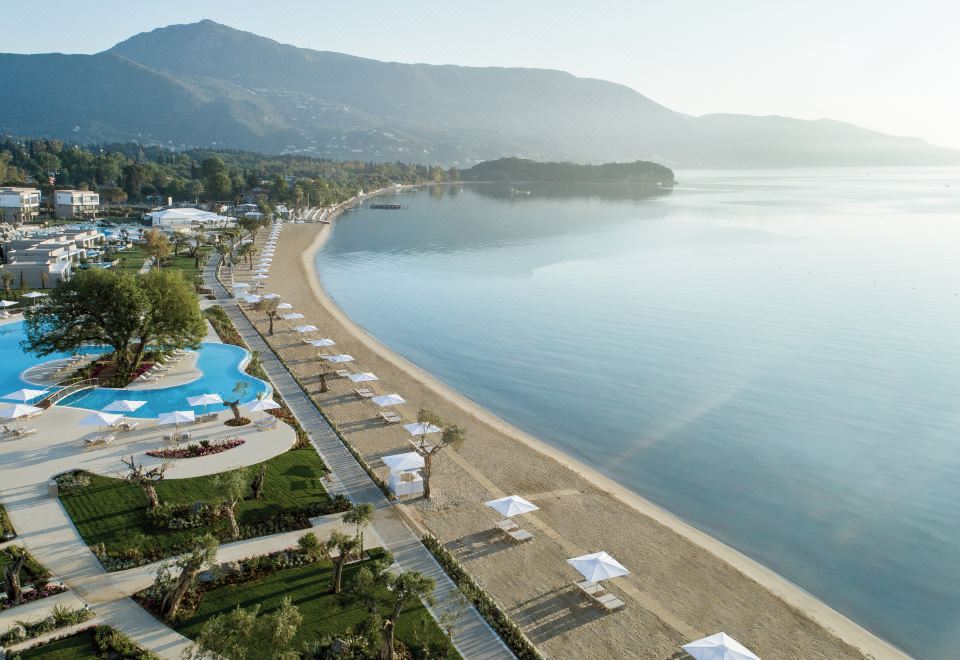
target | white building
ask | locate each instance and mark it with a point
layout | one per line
(41, 262)
(177, 217)
(77, 203)
(19, 205)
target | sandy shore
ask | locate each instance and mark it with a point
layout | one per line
(683, 584)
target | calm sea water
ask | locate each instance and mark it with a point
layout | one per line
(773, 356)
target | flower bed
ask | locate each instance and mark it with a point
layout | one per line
(59, 617)
(205, 448)
(35, 594)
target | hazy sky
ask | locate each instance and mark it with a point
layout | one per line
(889, 65)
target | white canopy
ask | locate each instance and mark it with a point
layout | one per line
(338, 359)
(18, 410)
(176, 417)
(284, 306)
(204, 399)
(34, 294)
(364, 377)
(404, 462)
(7, 303)
(512, 505)
(421, 428)
(291, 317)
(598, 566)
(241, 285)
(271, 296)
(185, 216)
(252, 299)
(101, 419)
(23, 395)
(719, 647)
(261, 276)
(305, 328)
(388, 400)
(263, 404)
(124, 405)
(322, 342)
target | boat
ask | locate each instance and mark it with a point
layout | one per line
(519, 193)
(391, 207)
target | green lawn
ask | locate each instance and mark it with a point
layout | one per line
(74, 647)
(323, 613)
(111, 511)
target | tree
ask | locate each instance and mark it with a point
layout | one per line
(451, 436)
(344, 545)
(404, 589)
(156, 245)
(231, 486)
(173, 318)
(270, 306)
(11, 573)
(146, 479)
(204, 551)
(256, 486)
(8, 280)
(239, 389)
(359, 516)
(248, 635)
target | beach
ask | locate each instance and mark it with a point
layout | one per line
(683, 584)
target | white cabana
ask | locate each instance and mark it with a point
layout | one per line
(23, 395)
(364, 377)
(388, 400)
(320, 343)
(512, 505)
(598, 566)
(719, 647)
(303, 329)
(421, 428)
(338, 359)
(405, 477)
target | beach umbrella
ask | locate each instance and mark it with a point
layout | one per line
(261, 276)
(124, 405)
(403, 462)
(262, 405)
(34, 294)
(364, 377)
(302, 329)
(265, 260)
(252, 300)
(241, 286)
(23, 395)
(291, 317)
(101, 419)
(421, 428)
(338, 359)
(284, 306)
(176, 418)
(271, 296)
(388, 400)
(18, 410)
(6, 303)
(719, 647)
(512, 505)
(204, 400)
(322, 342)
(598, 566)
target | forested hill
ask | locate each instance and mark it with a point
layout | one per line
(641, 172)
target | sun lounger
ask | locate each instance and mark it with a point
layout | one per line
(4, 315)
(22, 433)
(363, 392)
(592, 589)
(520, 535)
(390, 417)
(9, 431)
(343, 373)
(267, 424)
(127, 426)
(610, 603)
(507, 525)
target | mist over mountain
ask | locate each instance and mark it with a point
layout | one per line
(206, 84)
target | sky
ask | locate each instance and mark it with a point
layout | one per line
(889, 65)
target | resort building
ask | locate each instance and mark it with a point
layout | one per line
(179, 217)
(19, 205)
(40, 262)
(77, 204)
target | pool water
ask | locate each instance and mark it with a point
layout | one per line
(219, 364)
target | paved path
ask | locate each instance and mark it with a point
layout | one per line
(473, 638)
(147, 265)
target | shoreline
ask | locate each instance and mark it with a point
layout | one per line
(792, 595)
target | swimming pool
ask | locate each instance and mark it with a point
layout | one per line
(220, 366)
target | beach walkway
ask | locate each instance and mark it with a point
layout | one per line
(473, 637)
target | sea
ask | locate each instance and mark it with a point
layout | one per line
(773, 356)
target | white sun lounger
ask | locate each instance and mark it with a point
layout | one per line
(363, 392)
(390, 417)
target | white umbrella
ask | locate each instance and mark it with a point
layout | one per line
(241, 285)
(404, 462)
(598, 566)
(364, 377)
(204, 400)
(388, 400)
(261, 276)
(34, 294)
(101, 419)
(291, 317)
(263, 271)
(421, 428)
(176, 418)
(23, 395)
(253, 300)
(284, 306)
(719, 647)
(18, 410)
(271, 296)
(305, 328)
(338, 359)
(124, 405)
(512, 505)
(265, 260)
(7, 303)
(319, 343)
(262, 405)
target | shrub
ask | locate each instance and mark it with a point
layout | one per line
(73, 480)
(112, 643)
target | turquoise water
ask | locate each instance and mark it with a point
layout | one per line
(772, 356)
(219, 364)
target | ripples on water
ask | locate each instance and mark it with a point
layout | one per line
(773, 356)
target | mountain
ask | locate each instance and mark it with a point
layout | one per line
(206, 84)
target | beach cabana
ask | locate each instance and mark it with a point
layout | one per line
(405, 477)
(719, 647)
